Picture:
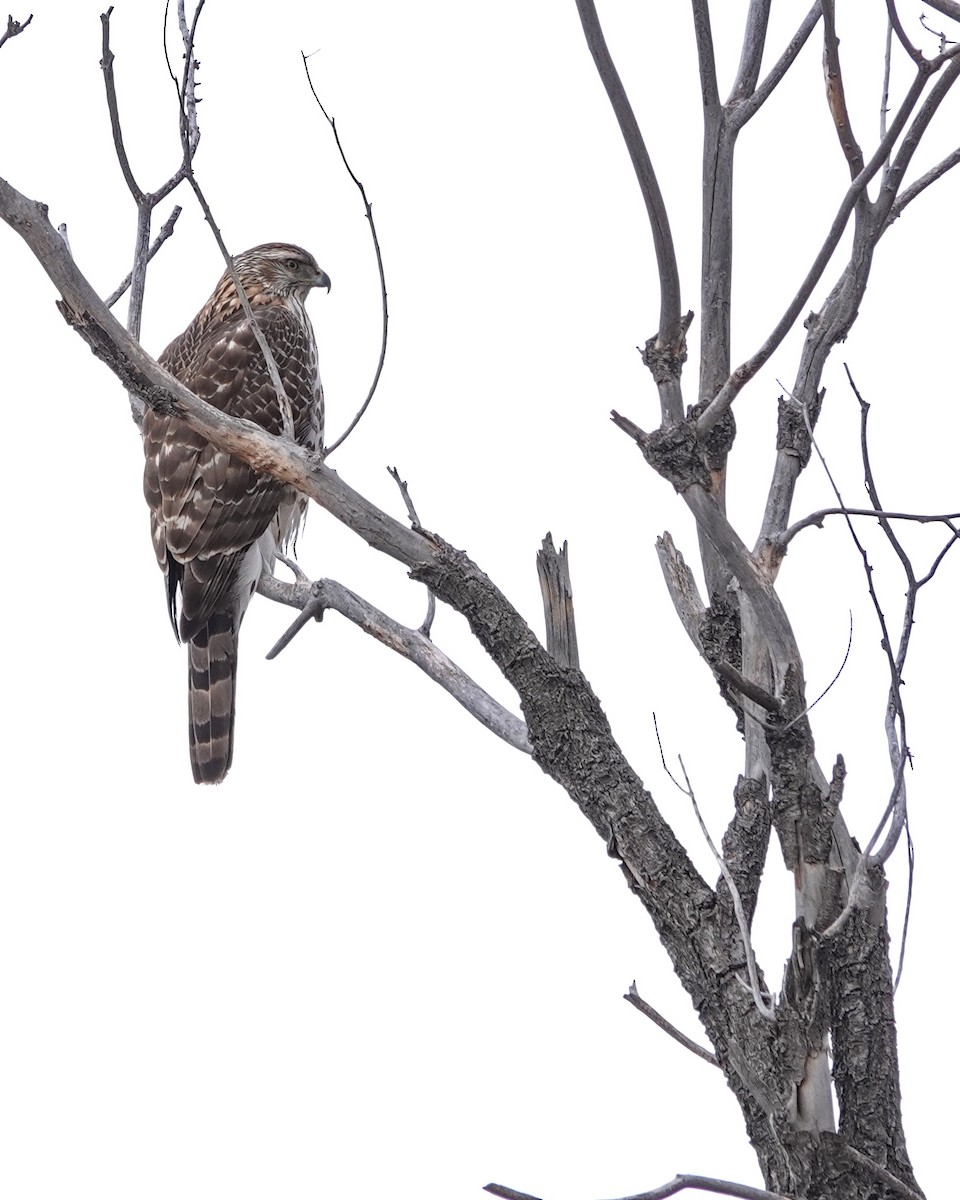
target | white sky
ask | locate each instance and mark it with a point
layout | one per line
(386, 956)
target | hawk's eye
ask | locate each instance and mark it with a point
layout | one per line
(293, 264)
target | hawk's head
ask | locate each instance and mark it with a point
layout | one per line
(278, 270)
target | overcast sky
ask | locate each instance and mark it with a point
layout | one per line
(386, 957)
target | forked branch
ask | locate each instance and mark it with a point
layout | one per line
(411, 644)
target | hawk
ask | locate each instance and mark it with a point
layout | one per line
(216, 522)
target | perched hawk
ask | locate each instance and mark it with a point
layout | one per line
(216, 522)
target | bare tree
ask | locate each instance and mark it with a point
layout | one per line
(819, 1133)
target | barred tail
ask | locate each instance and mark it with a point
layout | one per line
(212, 699)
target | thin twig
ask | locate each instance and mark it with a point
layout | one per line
(840, 670)
(766, 1010)
(165, 232)
(821, 514)
(385, 316)
(415, 524)
(188, 98)
(638, 1002)
(895, 810)
(937, 33)
(146, 202)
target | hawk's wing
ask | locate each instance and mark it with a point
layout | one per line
(207, 507)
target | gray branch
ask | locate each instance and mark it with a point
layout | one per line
(410, 644)
(680, 1183)
(671, 332)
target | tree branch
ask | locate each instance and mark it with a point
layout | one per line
(743, 110)
(897, 26)
(14, 28)
(720, 1187)
(166, 231)
(836, 98)
(921, 184)
(895, 173)
(949, 8)
(746, 371)
(145, 202)
(106, 65)
(385, 316)
(817, 518)
(751, 51)
(410, 644)
(670, 335)
(706, 58)
(638, 1002)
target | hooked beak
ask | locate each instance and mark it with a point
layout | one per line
(321, 279)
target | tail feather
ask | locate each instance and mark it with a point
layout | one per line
(212, 698)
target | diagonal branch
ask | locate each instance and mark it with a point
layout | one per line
(897, 26)
(410, 644)
(741, 113)
(949, 8)
(920, 185)
(641, 1005)
(894, 175)
(166, 231)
